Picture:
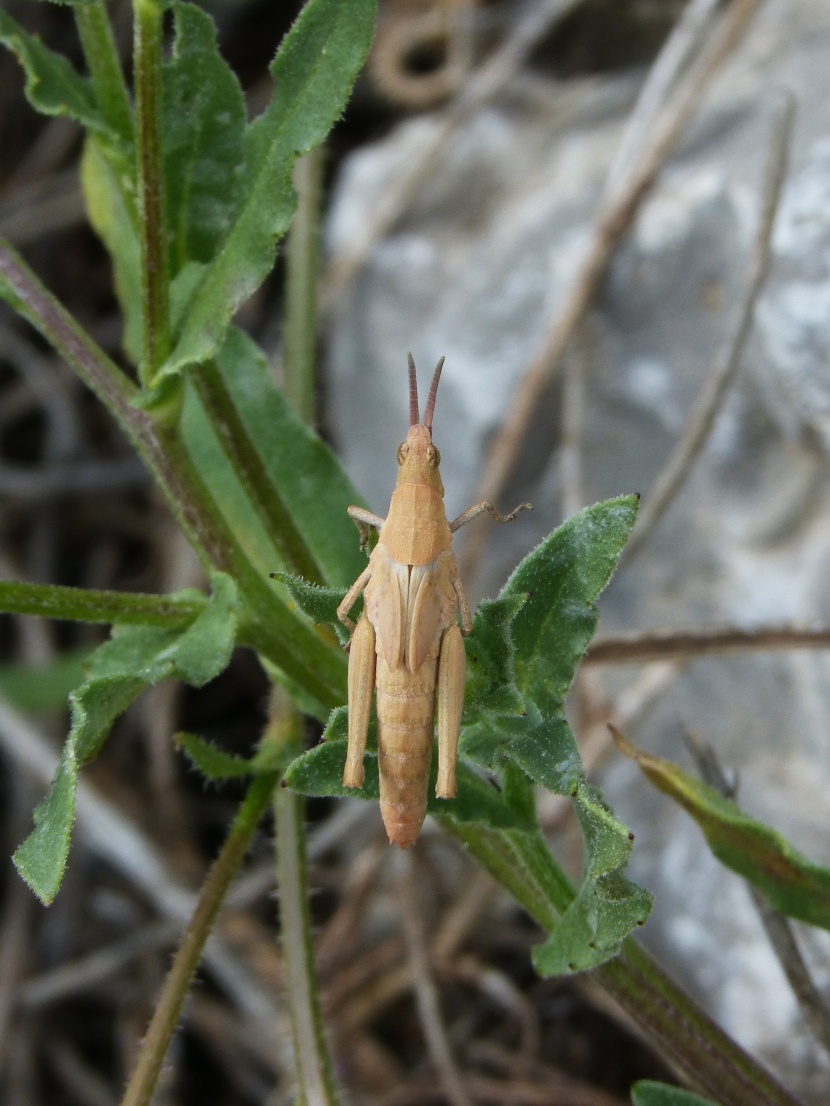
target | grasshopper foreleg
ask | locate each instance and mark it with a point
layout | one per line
(479, 509)
(365, 521)
(350, 598)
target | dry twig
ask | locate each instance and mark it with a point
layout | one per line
(699, 425)
(480, 88)
(610, 226)
(654, 645)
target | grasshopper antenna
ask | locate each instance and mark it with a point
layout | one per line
(414, 417)
(433, 391)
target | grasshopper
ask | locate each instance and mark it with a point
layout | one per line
(407, 645)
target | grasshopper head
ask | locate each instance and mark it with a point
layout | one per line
(417, 456)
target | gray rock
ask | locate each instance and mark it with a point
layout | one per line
(474, 270)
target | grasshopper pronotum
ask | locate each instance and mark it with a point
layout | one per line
(408, 644)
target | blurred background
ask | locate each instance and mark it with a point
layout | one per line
(573, 202)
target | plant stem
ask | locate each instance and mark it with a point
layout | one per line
(104, 66)
(168, 1009)
(713, 1063)
(147, 49)
(262, 491)
(311, 1057)
(269, 626)
(303, 260)
(312, 1062)
(87, 605)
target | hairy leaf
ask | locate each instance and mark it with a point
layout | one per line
(607, 906)
(648, 1093)
(215, 764)
(45, 687)
(203, 127)
(562, 579)
(793, 884)
(136, 657)
(111, 210)
(319, 772)
(320, 604)
(313, 74)
(53, 86)
(491, 680)
(311, 481)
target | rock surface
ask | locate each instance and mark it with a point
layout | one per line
(473, 271)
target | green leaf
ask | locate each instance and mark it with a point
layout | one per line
(594, 926)
(648, 1093)
(313, 74)
(562, 579)
(311, 480)
(216, 765)
(793, 884)
(110, 206)
(491, 679)
(53, 86)
(134, 658)
(607, 906)
(319, 772)
(320, 604)
(203, 126)
(45, 687)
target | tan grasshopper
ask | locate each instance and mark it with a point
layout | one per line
(408, 645)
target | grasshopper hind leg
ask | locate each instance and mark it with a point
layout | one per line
(361, 688)
(452, 668)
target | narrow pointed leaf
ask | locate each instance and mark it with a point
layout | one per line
(309, 96)
(648, 1093)
(203, 127)
(793, 884)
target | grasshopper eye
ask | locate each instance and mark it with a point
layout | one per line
(433, 457)
(403, 449)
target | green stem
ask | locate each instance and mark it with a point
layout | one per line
(249, 467)
(168, 1009)
(285, 639)
(86, 605)
(303, 260)
(311, 1057)
(147, 56)
(713, 1063)
(104, 65)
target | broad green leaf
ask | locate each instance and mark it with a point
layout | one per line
(562, 579)
(53, 86)
(793, 884)
(491, 679)
(203, 126)
(319, 772)
(45, 687)
(607, 906)
(560, 582)
(311, 481)
(648, 1093)
(217, 472)
(313, 74)
(594, 926)
(136, 657)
